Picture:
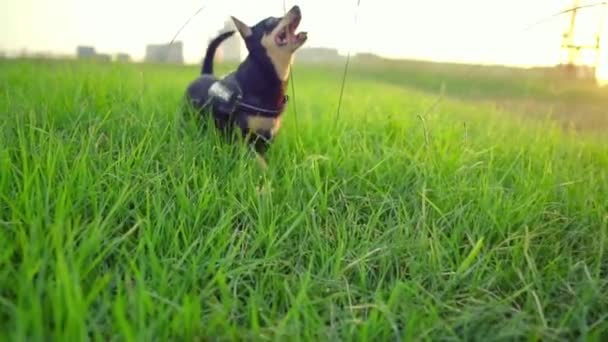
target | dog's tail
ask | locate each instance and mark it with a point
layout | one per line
(210, 54)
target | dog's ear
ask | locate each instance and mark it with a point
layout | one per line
(244, 30)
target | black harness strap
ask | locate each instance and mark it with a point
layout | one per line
(226, 96)
(249, 108)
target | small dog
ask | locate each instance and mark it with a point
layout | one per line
(252, 98)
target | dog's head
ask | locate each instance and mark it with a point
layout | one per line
(274, 39)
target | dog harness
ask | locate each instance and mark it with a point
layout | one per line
(226, 97)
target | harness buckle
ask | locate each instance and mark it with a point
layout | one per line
(225, 100)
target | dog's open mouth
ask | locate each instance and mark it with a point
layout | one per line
(288, 34)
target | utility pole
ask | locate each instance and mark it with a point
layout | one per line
(598, 36)
(573, 50)
(568, 37)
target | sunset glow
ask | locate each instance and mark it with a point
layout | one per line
(473, 31)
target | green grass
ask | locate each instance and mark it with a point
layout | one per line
(401, 220)
(535, 93)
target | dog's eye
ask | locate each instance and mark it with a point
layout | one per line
(270, 24)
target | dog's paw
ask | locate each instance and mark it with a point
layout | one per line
(261, 162)
(264, 189)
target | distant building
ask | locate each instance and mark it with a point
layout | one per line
(366, 56)
(230, 49)
(318, 55)
(85, 52)
(165, 53)
(88, 52)
(103, 57)
(123, 58)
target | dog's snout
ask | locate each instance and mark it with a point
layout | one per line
(296, 10)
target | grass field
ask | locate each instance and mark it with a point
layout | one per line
(406, 218)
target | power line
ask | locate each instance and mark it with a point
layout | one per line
(186, 23)
(572, 9)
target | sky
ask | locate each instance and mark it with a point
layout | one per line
(469, 31)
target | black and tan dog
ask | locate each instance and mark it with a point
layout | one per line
(252, 98)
